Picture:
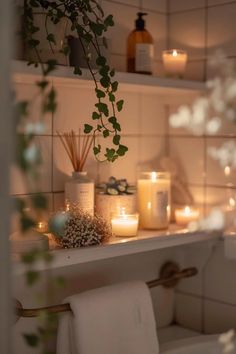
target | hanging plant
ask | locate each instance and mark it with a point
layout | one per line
(87, 21)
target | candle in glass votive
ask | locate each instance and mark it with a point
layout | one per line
(185, 215)
(124, 225)
(42, 227)
(154, 200)
(175, 61)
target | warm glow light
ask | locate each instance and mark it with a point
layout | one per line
(153, 176)
(187, 210)
(125, 225)
(174, 53)
(232, 202)
(227, 170)
(185, 215)
(149, 205)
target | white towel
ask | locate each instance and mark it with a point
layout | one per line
(116, 319)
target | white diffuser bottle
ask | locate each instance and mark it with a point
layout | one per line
(79, 191)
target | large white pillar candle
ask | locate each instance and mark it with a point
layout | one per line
(154, 200)
(174, 61)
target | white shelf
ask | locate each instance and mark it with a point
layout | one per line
(127, 81)
(144, 242)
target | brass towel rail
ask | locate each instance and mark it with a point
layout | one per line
(170, 275)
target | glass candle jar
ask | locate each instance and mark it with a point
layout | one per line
(125, 225)
(174, 61)
(154, 200)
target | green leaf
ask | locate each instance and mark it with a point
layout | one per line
(22, 108)
(77, 71)
(114, 86)
(122, 150)
(26, 223)
(50, 104)
(96, 116)
(100, 93)
(105, 133)
(110, 154)
(31, 339)
(97, 149)
(32, 277)
(112, 72)
(119, 105)
(111, 97)
(39, 201)
(116, 139)
(102, 108)
(105, 81)
(97, 28)
(87, 128)
(29, 257)
(101, 61)
(51, 38)
(42, 84)
(109, 21)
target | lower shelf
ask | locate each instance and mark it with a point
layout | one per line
(144, 242)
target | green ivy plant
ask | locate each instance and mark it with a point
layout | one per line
(87, 20)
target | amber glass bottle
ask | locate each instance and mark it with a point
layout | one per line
(140, 48)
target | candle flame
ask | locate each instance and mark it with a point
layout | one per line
(227, 170)
(153, 176)
(187, 210)
(232, 202)
(149, 205)
(174, 53)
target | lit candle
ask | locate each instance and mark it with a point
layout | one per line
(154, 200)
(124, 225)
(175, 61)
(42, 227)
(185, 215)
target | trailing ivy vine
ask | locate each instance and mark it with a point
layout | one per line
(86, 18)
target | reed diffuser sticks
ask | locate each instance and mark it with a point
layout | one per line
(77, 148)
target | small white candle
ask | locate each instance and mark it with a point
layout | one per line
(175, 61)
(42, 227)
(185, 215)
(124, 225)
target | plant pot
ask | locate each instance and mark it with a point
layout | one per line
(77, 58)
(46, 51)
(105, 204)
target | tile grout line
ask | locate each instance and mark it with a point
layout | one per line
(202, 8)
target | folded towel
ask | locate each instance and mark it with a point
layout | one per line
(116, 319)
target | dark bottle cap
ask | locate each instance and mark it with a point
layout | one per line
(140, 23)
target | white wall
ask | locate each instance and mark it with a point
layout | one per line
(207, 302)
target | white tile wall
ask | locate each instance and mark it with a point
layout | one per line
(188, 311)
(221, 33)
(215, 174)
(186, 31)
(218, 317)
(182, 5)
(189, 155)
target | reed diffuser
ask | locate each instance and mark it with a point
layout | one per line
(79, 189)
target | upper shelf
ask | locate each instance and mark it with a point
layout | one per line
(144, 242)
(127, 81)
